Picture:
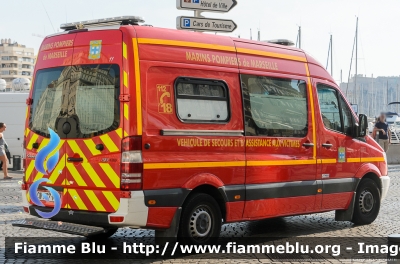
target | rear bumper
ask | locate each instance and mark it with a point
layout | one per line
(133, 209)
(385, 182)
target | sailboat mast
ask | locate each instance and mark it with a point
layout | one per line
(299, 37)
(331, 56)
(355, 77)
(372, 97)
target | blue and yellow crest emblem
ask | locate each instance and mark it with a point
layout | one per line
(95, 50)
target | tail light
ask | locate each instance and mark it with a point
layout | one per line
(24, 186)
(131, 164)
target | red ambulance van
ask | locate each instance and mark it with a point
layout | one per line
(144, 127)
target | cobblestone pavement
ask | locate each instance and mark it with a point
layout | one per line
(315, 225)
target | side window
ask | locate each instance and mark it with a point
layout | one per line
(275, 107)
(202, 101)
(347, 117)
(329, 104)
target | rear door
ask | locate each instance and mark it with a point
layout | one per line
(93, 142)
(44, 109)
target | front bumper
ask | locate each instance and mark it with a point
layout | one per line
(133, 209)
(385, 182)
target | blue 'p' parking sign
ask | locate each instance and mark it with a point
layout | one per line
(186, 22)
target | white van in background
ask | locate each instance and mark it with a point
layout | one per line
(13, 113)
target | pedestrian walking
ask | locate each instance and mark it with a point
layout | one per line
(3, 154)
(382, 128)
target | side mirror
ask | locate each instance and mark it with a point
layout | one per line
(362, 126)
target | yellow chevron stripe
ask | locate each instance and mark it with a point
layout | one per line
(93, 175)
(75, 174)
(95, 201)
(109, 143)
(66, 206)
(77, 199)
(92, 147)
(124, 50)
(59, 167)
(126, 111)
(125, 133)
(29, 170)
(38, 176)
(27, 111)
(44, 143)
(119, 132)
(111, 174)
(112, 200)
(125, 79)
(27, 132)
(76, 149)
(33, 140)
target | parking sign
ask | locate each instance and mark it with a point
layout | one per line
(186, 22)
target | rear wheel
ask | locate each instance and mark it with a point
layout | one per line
(368, 202)
(201, 220)
(106, 234)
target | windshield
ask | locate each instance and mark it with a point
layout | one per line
(88, 93)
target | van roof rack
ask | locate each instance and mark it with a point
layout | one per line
(103, 22)
(284, 42)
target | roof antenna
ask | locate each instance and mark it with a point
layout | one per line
(48, 16)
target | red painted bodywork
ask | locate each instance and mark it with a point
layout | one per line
(162, 65)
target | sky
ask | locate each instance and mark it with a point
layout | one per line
(379, 38)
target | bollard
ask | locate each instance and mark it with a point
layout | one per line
(394, 240)
(16, 163)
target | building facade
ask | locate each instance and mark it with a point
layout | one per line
(16, 61)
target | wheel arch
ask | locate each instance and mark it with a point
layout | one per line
(214, 192)
(369, 170)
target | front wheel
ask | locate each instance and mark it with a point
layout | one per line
(201, 220)
(368, 202)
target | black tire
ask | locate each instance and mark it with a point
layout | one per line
(107, 233)
(367, 203)
(201, 220)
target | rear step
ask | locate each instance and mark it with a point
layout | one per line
(61, 227)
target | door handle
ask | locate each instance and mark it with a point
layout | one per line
(326, 145)
(75, 159)
(308, 145)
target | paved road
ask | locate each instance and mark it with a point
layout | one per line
(316, 225)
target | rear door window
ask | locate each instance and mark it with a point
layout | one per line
(88, 93)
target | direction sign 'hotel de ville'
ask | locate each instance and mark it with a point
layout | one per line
(199, 23)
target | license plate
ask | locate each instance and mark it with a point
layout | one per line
(42, 196)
